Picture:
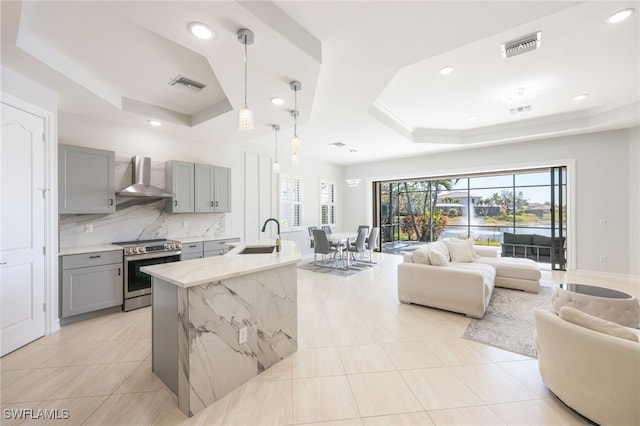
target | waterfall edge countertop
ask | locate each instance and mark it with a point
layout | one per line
(195, 272)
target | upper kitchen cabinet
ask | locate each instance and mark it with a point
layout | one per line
(213, 189)
(86, 180)
(179, 179)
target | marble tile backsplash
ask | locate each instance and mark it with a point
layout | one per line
(137, 218)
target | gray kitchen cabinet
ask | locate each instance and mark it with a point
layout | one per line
(90, 281)
(86, 180)
(179, 179)
(218, 247)
(222, 189)
(191, 251)
(212, 189)
(207, 248)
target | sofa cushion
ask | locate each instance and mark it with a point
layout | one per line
(460, 250)
(580, 318)
(510, 267)
(437, 258)
(541, 240)
(421, 255)
(441, 247)
(488, 273)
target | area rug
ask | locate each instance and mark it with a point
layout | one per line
(353, 268)
(508, 322)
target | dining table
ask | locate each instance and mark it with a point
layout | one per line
(341, 240)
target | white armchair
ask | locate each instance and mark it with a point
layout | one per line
(595, 373)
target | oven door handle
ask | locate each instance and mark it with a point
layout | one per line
(152, 255)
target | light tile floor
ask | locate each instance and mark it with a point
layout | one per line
(363, 359)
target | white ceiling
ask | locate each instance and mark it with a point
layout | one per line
(369, 69)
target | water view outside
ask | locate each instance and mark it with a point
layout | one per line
(482, 207)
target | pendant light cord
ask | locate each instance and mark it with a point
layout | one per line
(245, 71)
(295, 115)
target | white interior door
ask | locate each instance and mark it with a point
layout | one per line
(22, 217)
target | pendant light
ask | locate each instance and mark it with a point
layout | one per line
(245, 117)
(295, 140)
(276, 165)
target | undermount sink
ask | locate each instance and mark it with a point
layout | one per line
(258, 249)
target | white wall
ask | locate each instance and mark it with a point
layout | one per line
(16, 85)
(634, 201)
(312, 172)
(605, 187)
(129, 141)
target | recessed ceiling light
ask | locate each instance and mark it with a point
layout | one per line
(201, 30)
(580, 97)
(446, 70)
(155, 123)
(619, 16)
(472, 118)
(277, 101)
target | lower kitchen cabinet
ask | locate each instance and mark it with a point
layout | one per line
(209, 248)
(218, 247)
(191, 251)
(90, 282)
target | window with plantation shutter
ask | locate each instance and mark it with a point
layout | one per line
(291, 189)
(327, 202)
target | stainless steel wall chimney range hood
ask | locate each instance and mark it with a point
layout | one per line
(142, 181)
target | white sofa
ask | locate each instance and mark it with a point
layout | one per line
(594, 372)
(456, 276)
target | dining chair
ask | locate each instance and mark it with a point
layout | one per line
(311, 228)
(359, 246)
(321, 246)
(372, 242)
(327, 230)
(364, 227)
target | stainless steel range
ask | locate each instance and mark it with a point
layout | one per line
(139, 253)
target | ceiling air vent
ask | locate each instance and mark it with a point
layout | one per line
(521, 45)
(338, 144)
(186, 83)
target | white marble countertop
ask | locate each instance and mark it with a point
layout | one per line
(194, 272)
(187, 240)
(88, 249)
(110, 247)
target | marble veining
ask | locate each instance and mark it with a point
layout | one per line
(138, 218)
(233, 264)
(211, 360)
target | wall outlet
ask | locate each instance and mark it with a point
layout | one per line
(242, 335)
(602, 259)
(88, 228)
(185, 224)
(604, 221)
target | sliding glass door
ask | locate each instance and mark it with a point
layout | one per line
(486, 207)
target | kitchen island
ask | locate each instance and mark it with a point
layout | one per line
(220, 321)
